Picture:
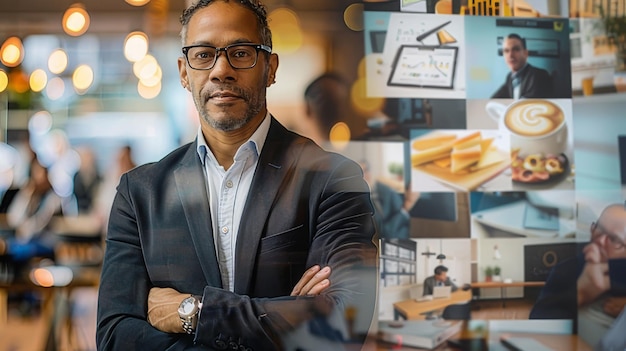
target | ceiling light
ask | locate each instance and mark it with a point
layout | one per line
(12, 52)
(76, 20)
(137, 2)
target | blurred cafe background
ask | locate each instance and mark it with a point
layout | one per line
(90, 89)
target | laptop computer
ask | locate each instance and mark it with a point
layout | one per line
(442, 292)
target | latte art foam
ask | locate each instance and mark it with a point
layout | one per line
(533, 118)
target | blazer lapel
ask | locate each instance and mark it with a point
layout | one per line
(191, 186)
(271, 170)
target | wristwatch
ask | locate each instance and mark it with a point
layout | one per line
(188, 311)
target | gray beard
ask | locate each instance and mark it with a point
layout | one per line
(229, 124)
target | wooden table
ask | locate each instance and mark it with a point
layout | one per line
(502, 286)
(413, 309)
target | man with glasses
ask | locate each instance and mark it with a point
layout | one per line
(247, 236)
(579, 281)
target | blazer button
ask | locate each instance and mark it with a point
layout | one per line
(220, 344)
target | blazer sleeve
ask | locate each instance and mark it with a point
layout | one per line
(124, 285)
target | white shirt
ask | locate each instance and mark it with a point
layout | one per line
(227, 192)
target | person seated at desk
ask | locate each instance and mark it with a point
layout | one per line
(439, 279)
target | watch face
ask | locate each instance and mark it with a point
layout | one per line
(187, 307)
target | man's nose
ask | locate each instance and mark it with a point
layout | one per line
(222, 69)
(600, 239)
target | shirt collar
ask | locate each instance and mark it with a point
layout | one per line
(257, 140)
(520, 71)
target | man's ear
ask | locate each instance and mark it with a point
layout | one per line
(182, 72)
(273, 67)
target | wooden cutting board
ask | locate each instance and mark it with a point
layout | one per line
(467, 180)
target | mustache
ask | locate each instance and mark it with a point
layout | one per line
(231, 89)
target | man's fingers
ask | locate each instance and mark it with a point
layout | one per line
(319, 287)
(319, 277)
(308, 275)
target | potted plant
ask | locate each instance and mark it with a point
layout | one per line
(396, 169)
(489, 274)
(496, 274)
(615, 29)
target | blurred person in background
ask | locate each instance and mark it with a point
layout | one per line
(86, 180)
(327, 102)
(30, 215)
(122, 162)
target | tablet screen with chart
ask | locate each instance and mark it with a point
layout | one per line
(424, 66)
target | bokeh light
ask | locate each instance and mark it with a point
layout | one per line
(340, 135)
(12, 52)
(82, 78)
(38, 80)
(286, 31)
(135, 46)
(55, 88)
(76, 20)
(57, 62)
(146, 67)
(4, 80)
(137, 2)
(147, 92)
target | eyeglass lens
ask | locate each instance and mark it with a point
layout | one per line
(599, 231)
(204, 57)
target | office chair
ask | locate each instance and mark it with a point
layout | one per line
(459, 312)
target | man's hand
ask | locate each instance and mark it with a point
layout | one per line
(594, 280)
(313, 281)
(163, 309)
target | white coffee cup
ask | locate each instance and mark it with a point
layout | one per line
(535, 126)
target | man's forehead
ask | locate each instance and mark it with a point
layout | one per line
(614, 220)
(512, 42)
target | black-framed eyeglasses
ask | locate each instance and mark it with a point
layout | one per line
(239, 56)
(598, 231)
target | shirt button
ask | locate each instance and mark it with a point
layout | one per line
(224, 230)
(229, 184)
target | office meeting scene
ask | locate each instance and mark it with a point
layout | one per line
(296, 175)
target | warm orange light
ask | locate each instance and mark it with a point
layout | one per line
(12, 52)
(76, 20)
(43, 277)
(137, 2)
(4, 80)
(340, 135)
(135, 46)
(18, 81)
(361, 102)
(82, 78)
(286, 31)
(38, 80)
